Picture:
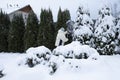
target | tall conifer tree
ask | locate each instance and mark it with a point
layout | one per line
(16, 33)
(46, 29)
(63, 17)
(31, 32)
(4, 28)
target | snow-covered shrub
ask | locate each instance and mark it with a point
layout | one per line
(37, 55)
(41, 56)
(105, 32)
(75, 50)
(55, 62)
(83, 30)
(53, 67)
(117, 37)
(1, 71)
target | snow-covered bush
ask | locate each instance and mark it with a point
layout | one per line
(40, 56)
(117, 37)
(61, 56)
(83, 30)
(53, 67)
(105, 32)
(1, 71)
(55, 62)
(37, 55)
(75, 50)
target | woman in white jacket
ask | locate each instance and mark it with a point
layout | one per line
(61, 38)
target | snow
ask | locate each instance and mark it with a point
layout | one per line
(108, 20)
(105, 68)
(1, 67)
(84, 30)
(74, 50)
(38, 51)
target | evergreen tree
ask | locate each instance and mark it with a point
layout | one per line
(59, 20)
(31, 32)
(63, 17)
(50, 31)
(105, 32)
(4, 28)
(46, 29)
(83, 27)
(16, 34)
(41, 34)
(66, 17)
(117, 36)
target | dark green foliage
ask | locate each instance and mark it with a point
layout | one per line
(59, 20)
(16, 33)
(46, 29)
(66, 17)
(4, 28)
(63, 17)
(31, 32)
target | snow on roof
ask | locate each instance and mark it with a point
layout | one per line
(9, 9)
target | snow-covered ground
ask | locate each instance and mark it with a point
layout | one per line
(105, 68)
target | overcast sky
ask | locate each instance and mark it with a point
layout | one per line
(72, 5)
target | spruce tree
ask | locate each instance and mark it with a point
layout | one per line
(63, 17)
(31, 32)
(66, 17)
(16, 34)
(83, 27)
(59, 20)
(40, 37)
(105, 32)
(117, 36)
(46, 29)
(4, 28)
(50, 31)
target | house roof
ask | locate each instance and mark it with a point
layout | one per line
(26, 9)
(10, 10)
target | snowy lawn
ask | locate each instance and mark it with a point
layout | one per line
(105, 68)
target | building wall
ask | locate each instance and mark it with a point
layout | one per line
(24, 14)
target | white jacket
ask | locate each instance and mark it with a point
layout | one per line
(61, 36)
